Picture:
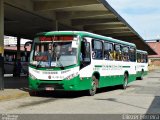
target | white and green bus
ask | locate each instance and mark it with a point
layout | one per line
(142, 64)
(77, 60)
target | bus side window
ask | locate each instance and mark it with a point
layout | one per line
(85, 57)
(108, 51)
(23, 59)
(138, 57)
(143, 58)
(10, 58)
(125, 55)
(97, 49)
(132, 54)
(118, 54)
(6, 58)
(146, 58)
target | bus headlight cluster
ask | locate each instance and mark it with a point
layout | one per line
(32, 76)
(71, 76)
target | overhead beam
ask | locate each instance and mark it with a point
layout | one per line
(1, 44)
(108, 29)
(26, 4)
(104, 26)
(112, 31)
(127, 38)
(80, 14)
(117, 34)
(60, 4)
(115, 28)
(28, 18)
(89, 21)
(22, 35)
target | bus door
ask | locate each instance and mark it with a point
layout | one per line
(85, 58)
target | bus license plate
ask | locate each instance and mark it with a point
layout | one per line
(49, 88)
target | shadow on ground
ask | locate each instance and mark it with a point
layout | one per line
(72, 94)
(15, 82)
(155, 106)
(21, 83)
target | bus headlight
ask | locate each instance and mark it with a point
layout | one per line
(32, 76)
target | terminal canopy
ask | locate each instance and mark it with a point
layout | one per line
(28, 17)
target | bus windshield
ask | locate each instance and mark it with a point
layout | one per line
(54, 54)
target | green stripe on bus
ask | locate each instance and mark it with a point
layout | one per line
(126, 66)
(98, 65)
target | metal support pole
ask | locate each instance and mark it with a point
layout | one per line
(17, 67)
(56, 25)
(1, 44)
(18, 48)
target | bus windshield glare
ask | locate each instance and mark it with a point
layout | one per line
(54, 54)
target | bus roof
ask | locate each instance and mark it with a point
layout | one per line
(141, 51)
(85, 34)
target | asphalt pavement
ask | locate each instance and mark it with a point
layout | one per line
(142, 97)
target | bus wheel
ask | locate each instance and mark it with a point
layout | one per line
(125, 82)
(33, 93)
(94, 84)
(142, 74)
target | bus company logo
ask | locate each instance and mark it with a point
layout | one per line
(49, 77)
(108, 67)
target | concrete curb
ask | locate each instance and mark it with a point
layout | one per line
(11, 96)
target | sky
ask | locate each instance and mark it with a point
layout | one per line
(142, 15)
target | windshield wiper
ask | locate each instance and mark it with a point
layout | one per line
(59, 64)
(38, 65)
(39, 62)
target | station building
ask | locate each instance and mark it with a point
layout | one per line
(154, 59)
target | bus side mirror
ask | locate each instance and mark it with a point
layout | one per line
(29, 43)
(84, 40)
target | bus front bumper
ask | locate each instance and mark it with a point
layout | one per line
(66, 85)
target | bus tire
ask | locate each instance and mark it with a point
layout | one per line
(33, 93)
(125, 81)
(94, 82)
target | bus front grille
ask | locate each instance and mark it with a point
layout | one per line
(56, 86)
